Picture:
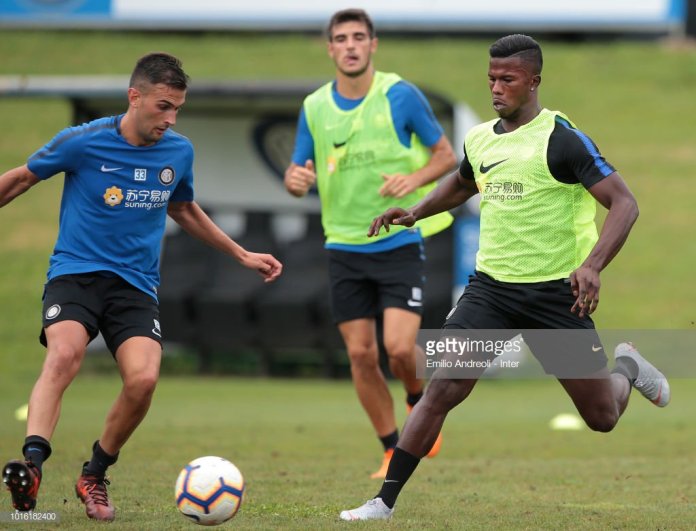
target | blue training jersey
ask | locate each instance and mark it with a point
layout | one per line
(115, 196)
(411, 113)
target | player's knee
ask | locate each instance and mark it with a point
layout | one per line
(443, 395)
(141, 386)
(363, 356)
(399, 352)
(62, 361)
(602, 420)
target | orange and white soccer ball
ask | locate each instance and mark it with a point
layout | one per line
(209, 490)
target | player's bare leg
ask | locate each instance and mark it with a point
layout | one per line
(360, 338)
(421, 429)
(139, 362)
(425, 421)
(67, 342)
(600, 399)
(400, 333)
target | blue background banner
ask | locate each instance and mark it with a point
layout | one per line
(39, 9)
(620, 16)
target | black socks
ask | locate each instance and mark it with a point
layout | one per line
(100, 461)
(389, 441)
(36, 449)
(401, 467)
(412, 400)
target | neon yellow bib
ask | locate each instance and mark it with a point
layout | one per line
(533, 227)
(352, 150)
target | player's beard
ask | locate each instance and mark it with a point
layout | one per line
(356, 73)
(359, 72)
(151, 136)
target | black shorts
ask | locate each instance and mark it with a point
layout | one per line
(364, 284)
(541, 312)
(101, 303)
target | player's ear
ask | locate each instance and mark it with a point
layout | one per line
(133, 96)
(329, 44)
(536, 81)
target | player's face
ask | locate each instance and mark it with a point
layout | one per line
(351, 48)
(512, 85)
(156, 107)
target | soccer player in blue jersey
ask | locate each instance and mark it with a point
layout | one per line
(123, 175)
(366, 139)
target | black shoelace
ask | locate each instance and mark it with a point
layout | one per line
(97, 489)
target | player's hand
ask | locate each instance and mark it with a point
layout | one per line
(397, 185)
(393, 216)
(585, 284)
(266, 265)
(299, 179)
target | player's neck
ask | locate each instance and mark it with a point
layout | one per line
(520, 118)
(130, 133)
(357, 87)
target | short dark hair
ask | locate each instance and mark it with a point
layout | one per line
(350, 15)
(521, 46)
(159, 67)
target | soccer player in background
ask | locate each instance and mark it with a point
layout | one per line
(366, 139)
(539, 258)
(123, 175)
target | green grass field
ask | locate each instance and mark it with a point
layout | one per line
(306, 451)
(305, 446)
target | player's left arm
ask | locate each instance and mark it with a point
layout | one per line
(573, 158)
(191, 217)
(614, 195)
(419, 118)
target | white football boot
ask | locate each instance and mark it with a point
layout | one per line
(373, 509)
(651, 383)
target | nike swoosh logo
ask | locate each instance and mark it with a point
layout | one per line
(105, 169)
(339, 144)
(486, 169)
(596, 349)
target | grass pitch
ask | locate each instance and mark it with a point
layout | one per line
(306, 450)
(306, 447)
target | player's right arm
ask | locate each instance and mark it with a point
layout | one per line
(300, 175)
(452, 191)
(299, 179)
(15, 182)
(62, 154)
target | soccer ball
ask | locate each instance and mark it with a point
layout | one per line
(209, 490)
